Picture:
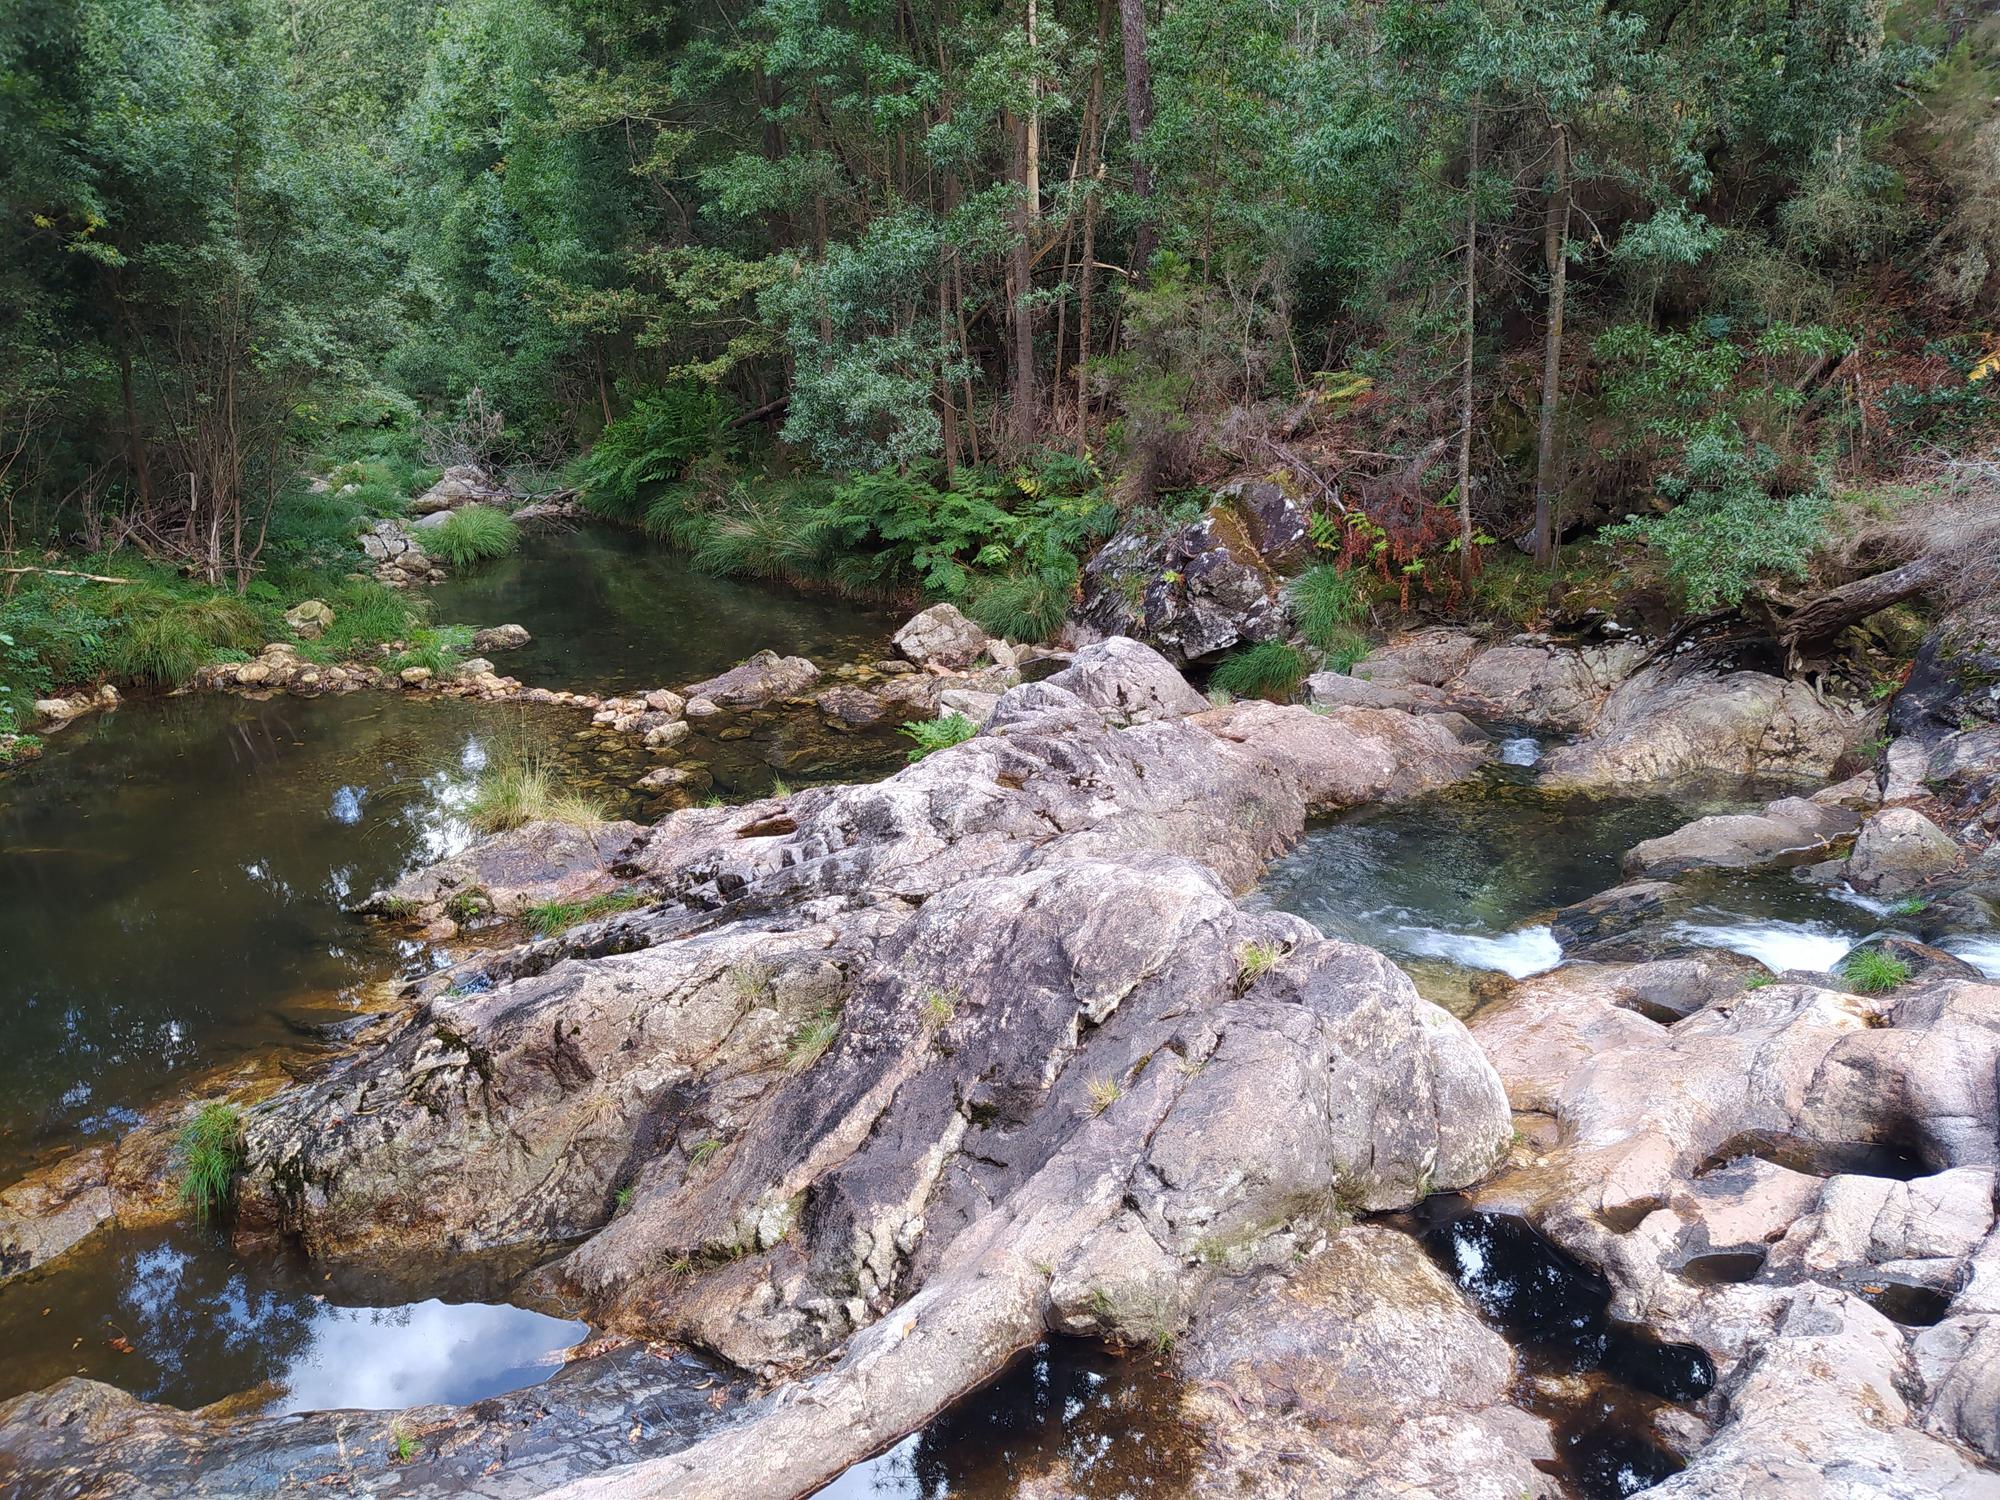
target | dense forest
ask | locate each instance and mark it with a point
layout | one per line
(922, 298)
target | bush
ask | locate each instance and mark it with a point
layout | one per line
(472, 535)
(938, 734)
(1270, 669)
(523, 792)
(653, 444)
(1873, 972)
(211, 1154)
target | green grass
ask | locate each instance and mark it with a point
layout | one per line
(366, 614)
(439, 648)
(937, 734)
(473, 535)
(1270, 669)
(809, 1043)
(163, 637)
(940, 1007)
(1104, 1092)
(211, 1154)
(1873, 972)
(1026, 606)
(525, 791)
(1909, 906)
(551, 917)
(1328, 602)
(1760, 981)
(1256, 959)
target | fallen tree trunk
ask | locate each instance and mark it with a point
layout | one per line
(1814, 626)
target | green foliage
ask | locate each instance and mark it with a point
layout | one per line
(1255, 959)
(1269, 669)
(548, 918)
(524, 791)
(367, 614)
(439, 648)
(654, 444)
(809, 1042)
(162, 638)
(1873, 972)
(474, 534)
(937, 734)
(210, 1149)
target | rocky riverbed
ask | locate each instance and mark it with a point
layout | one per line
(864, 1090)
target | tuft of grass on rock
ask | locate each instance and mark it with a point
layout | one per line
(809, 1043)
(474, 534)
(1104, 1092)
(1873, 972)
(1270, 669)
(211, 1154)
(525, 791)
(551, 917)
(936, 734)
(1257, 959)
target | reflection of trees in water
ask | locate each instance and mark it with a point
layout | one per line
(206, 1328)
(1108, 1423)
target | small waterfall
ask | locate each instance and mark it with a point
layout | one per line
(1517, 954)
(1776, 945)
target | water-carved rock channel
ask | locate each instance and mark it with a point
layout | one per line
(1040, 1120)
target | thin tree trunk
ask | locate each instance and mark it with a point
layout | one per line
(1092, 139)
(1138, 119)
(1020, 274)
(1555, 237)
(1465, 383)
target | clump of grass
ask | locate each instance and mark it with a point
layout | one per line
(1025, 606)
(550, 917)
(525, 791)
(1873, 972)
(1270, 669)
(1256, 959)
(1328, 602)
(440, 648)
(937, 734)
(622, 1199)
(940, 1007)
(211, 1154)
(1909, 906)
(704, 1153)
(809, 1043)
(402, 1446)
(366, 614)
(1760, 981)
(1104, 1092)
(163, 638)
(472, 535)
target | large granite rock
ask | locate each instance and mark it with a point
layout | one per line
(764, 679)
(941, 636)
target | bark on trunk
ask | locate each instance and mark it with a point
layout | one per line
(1465, 382)
(1555, 235)
(1138, 119)
(1814, 626)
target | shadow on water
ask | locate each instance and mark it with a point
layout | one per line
(1100, 1425)
(1600, 1383)
(171, 1315)
(611, 611)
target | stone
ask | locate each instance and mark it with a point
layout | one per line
(665, 736)
(1897, 848)
(662, 701)
(500, 638)
(415, 676)
(1671, 721)
(941, 636)
(1789, 831)
(1427, 658)
(1189, 593)
(309, 619)
(968, 703)
(474, 666)
(1338, 690)
(1128, 682)
(528, 866)
(1273, 523)
(758, 682)
(1954, 683)
(1555, 689)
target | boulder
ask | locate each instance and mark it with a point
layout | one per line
(1274, 524)
(1669, 721)
(500, 638)
(1789, 831)
(527, 866)
(1545, 686)
(1897, 848)
(1128, 683)
(308, 620)
(941, 636)
(1954, 683)
(1190, 592)
(1424, 658)
(762, 680)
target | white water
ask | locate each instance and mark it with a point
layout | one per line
(1524, 751)
(1983, 953)
(1776, 945)
(1517, 954)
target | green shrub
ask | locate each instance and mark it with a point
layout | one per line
(367, 614)
(1873, 972)
(474, 534)
(211, 1154)
(1023, 606)
(938, 734)
(525, 791)
(809, 1043)
(654, 443)
(1270, 669)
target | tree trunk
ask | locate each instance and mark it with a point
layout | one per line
(1465, 383)
(1020, 282)
(1555, 236)
(1813, 626)
(1139, 119)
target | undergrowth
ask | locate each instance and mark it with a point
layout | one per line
(210, 1147)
